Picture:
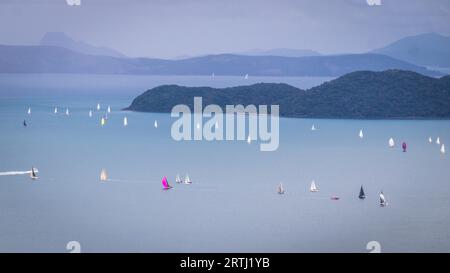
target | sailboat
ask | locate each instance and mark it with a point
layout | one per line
(102, 121)
(313, 187)
(98, 106)
(280, 189)
(56, 110)
(382, 199)
(187, 180)
(438, 141)
(361, 135)
(165, 184)
(313, 128)
(109, 109)
(443, 149)
(25, 123)
(67, 111)
(362, 195)
(156, 124)
(125, 122)
(178, 179)
(246, 76)
(103, 175)
(404, 146)
(33, 174)
(391, 143)
(29, 111)
(249, 139)
(90, 113)
(430, 140)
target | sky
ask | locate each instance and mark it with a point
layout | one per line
(174, 28)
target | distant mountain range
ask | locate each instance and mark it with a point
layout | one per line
(362, 95)
(428, 49)
(52, 59)
(60, 39)
(281, 52)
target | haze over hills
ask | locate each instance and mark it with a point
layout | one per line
(60, 39)
(429, 49)
(51, 59)
(281, 52)
(375, 95)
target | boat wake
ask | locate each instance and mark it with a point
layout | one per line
(16, 173)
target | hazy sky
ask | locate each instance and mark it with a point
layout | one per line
(169, 28)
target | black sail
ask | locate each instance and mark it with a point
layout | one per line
(361, 193)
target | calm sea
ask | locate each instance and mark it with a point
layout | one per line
(232, 205)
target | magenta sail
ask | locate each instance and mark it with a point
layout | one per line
(165, 184)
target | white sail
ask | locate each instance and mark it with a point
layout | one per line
(249, 139)
(430, 140)
(187, 180)
(156, 124)
(109, 109)
(443, 149)
(103, 175)
(438, 141)
(382, 199)
(178, 179)
(246, 76)
(313, 187)
(90, 113)
(391, 142)
(313, 128)
(102, 121)
(280, 189)
(56, 110)
(125, 122)
(361, 135)
(67, 111)
(29, 111)
(98, 106)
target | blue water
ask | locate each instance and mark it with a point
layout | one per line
(232, 205)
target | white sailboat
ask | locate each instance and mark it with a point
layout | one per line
(249, 139)
(29, 111)
(102, 121)
(430, 140)
(156, 124)
(438, 141)
(443, 149)
(178, 179)
(56, 110)
(67, 111)
(313, 187)
(313, 128)
(280, 189)
(246, 76)
(382, 199)
(33, 174)
(109, 109)
(361, 135)
(90, 113)
(187, 180)
(103, 175)
(98, 106)
(391, 143)
(125, 122)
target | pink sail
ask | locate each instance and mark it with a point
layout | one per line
(165, 184)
